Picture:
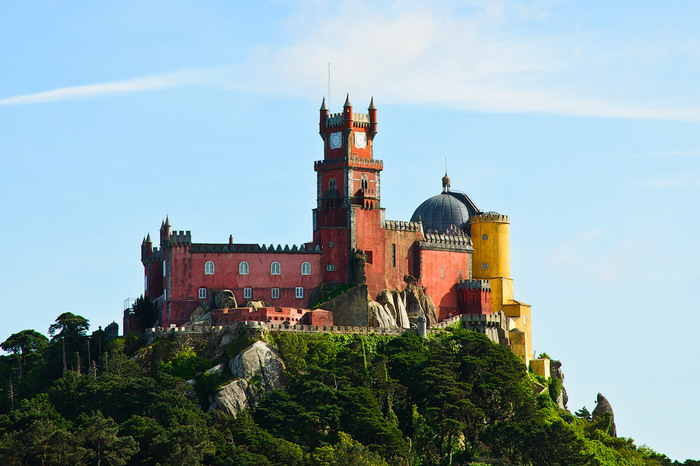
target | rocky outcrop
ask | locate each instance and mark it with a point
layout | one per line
(602, 408)
(418, 303)
(380, 316)
(258, 369)
(555, 372)
(350, 307)
(394, 305)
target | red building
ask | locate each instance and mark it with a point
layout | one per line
(352, 241)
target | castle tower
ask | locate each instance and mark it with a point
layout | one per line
(348, 179)
(490, 234)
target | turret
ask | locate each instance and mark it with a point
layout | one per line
(323, 118)
(165, 231)
(372, 119)
(146, 248)
(347, 113)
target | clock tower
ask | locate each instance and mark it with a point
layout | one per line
(348, 187)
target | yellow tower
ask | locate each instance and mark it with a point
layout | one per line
(490, 234)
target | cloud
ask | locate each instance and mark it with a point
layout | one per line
(143, 84)
(601, 256)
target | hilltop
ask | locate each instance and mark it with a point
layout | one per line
(452, 398)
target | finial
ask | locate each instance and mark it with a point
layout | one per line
(323, 105)
(347, 101)
(445, 183)
(371, 104)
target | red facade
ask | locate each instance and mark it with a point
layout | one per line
(352, 243)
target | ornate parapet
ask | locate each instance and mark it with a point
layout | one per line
(489, 217)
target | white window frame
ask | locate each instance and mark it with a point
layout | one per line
(164, 268)
(275, 268)
(330, 267)
(243, 268)
(299, 292)
(305, 268)
(209, 268)
(247, 293)
(202, 293)
(275, 293)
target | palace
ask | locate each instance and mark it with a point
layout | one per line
(455, 254)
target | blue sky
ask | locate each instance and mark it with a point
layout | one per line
(578, 119)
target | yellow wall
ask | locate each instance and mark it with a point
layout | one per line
(490, 234)
(540, 367)
(491, 238)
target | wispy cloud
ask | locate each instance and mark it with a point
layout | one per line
(142, 84)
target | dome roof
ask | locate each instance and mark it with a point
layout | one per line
(444, 210)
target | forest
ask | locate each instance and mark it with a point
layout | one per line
(454, 398)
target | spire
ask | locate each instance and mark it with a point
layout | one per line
(167, 222)
(148, 238)
(347, 101)
(323, 105)
(371, 104)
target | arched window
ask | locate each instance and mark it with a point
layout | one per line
(243, 268)
(364, 182)
(209, 268)
(275, 268)
(305, 268)
(332, 186)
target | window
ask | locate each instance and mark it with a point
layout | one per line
(330, 267)
(209, 268)
(484, 266)
(202, 293)
(364, 182)
(330, 244)
(442, 273)
(248, 293)
(369, 256)
(145, 283)
(243, 268)
(460, 275)
(275, 293)
(393, 255)
(332, 186)
(524, 319)
(164, 268)
(299, 292)
(305, 268)
(275, 268)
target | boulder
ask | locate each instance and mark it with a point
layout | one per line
(418, 303)
(234, 397)
(255, 304)
(603, 407)
(380, 316)
(258, 369)
(259, 359)
(225, 299)
(197, 314)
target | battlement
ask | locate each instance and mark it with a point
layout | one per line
(489, 217)
(484, 285)
(360, 120)
(401, 225)
(180, 237)
(352, 161)
(255, 248)
(452, 241)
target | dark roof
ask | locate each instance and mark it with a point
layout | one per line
(449, 208)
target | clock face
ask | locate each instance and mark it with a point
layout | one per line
(360, 140)
(336, 140)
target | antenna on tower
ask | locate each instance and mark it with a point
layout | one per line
(329, 85)
(445, 165)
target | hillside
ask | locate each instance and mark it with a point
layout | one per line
(454, 398)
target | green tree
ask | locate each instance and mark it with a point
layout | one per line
(98, 436)
(145, 312)
(69, 325)
(24, 345)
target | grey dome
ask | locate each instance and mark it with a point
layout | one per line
(449, 208)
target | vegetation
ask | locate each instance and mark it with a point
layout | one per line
(452, 399)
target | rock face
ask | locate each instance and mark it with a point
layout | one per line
(225, 299)
(259, 369)
(418, 303)
(555, 372)
(603, 407)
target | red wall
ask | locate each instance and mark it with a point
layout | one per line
(187, 276)
(443, 291)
